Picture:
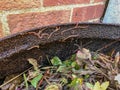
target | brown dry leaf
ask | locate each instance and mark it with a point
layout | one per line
(36, 71)
(31, 74)
(117, 57)
(33, 62)
(83, 55)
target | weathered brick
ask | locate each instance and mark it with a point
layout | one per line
(63, 2)
(99, 11)
(90, 13)
(99, 0)
(18, 4)
(77, 14)
(87, 13)
(20, 22)
(83, 13)
(1, 33)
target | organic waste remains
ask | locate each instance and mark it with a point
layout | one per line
(84, 70)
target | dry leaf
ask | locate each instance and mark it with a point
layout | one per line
(117, 57)
(83, 55)
(117, 78)
(34, 63)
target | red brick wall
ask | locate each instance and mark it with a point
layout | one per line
(19, 15)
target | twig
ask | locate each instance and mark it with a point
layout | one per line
(40, 82)
(76, 27)
(83, 27)
(81, 46)
(87, 43)
(14, 78)
(35, 46)
(39, 34)
(70, 37)
(101, 72)
(67, 30)
(57, 29)
(46, 80)
(97, 69)
(25, 79)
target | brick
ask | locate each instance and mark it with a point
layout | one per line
(18, 4)
(20, 22)
(63, 2)
(83, 14)
(90, 13)
(99, 0)
(87, 13)
(99, 11)
(1, 33)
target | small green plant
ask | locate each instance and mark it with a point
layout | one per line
(98, 86)
(35, 80)
(56, 61)
(25, 79)
(76, 83)
(35, 75)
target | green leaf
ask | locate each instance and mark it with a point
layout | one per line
(67, 63)
(64, 80)
(56, 61)
(104, 85)
(35, 80)
(75, 65)
(87, 76)
(95, 56)
(89, 85)
(73, 57)
(62, 68)
(25, 79)
(74, 82)
(97, 86)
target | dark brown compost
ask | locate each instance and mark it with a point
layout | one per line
(56, 40)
